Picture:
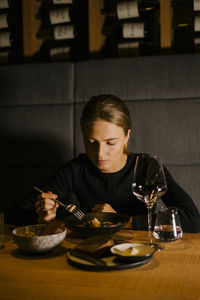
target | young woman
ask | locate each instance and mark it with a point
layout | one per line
(101, 178)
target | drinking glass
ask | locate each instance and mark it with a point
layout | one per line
(149, 184)
(1, 229)
(167, 226)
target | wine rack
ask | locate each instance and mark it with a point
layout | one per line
(63, 30)
(11, 34)
(186, 26)
(171, 40)
(131, 28)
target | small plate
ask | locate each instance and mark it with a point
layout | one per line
(131, 252)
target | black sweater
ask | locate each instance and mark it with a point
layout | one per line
(91, 186)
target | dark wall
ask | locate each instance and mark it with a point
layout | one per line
(36, 125)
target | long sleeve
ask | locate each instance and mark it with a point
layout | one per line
(61, 183)
(188, 212)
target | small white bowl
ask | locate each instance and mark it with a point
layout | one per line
(30, 239)
(132, 251)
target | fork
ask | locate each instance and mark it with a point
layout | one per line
(70, 207)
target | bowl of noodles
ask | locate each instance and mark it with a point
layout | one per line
(102, 223)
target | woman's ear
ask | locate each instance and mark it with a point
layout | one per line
(128, 136)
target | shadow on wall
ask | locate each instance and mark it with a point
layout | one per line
(25, 162)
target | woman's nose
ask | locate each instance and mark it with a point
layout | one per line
(100, 151)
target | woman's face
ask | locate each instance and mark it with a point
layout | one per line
(104, 144)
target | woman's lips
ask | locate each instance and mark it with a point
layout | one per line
(101, 162)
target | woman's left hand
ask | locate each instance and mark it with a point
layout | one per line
(105, 207)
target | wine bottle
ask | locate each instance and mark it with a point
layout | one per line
(10, 39)
(146, 29)
(197, 43)
(182, 15)
(49, 15)
(4, 56)
(135, 47)
(184, 7)
(6, 39)
(182, 4)
(62, 51)
(196, 5)
(184, 10)
(7, 20)
(59, 32)
(11, 45)
(11, 42)
(186, 24)
(129, 9)
(7, 56)
(57, 2)
(191, 24)
(10, 4)
(183, 41)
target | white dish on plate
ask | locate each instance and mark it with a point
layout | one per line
(132, 251)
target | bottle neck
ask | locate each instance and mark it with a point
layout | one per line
(192, 24)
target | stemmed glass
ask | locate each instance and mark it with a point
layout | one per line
(149, 184)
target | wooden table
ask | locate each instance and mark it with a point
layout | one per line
(173, 273)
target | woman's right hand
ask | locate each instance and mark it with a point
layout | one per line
(46, 208)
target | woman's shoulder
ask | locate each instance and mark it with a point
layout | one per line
(132, 155)
(80, 158)
(77, 162)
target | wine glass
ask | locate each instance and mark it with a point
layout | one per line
(149, 184)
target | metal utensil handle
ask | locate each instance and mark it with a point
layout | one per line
(60, 203)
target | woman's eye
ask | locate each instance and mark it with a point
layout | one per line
(110, 144)
(90, 141)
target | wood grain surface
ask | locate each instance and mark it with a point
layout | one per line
(173, 273)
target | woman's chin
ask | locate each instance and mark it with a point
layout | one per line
(103, 167)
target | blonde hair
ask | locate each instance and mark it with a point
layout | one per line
(109, 108)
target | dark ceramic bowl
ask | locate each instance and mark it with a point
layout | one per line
(81, 229)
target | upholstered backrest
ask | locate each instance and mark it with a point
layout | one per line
(41, 104)
(36, 125)
(163, 95)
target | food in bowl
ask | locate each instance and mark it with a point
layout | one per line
(109, 223)
(29, 231)
(33, 239)
(128, 252)
(96, 223)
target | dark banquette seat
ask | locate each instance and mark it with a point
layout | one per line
(40, 107)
